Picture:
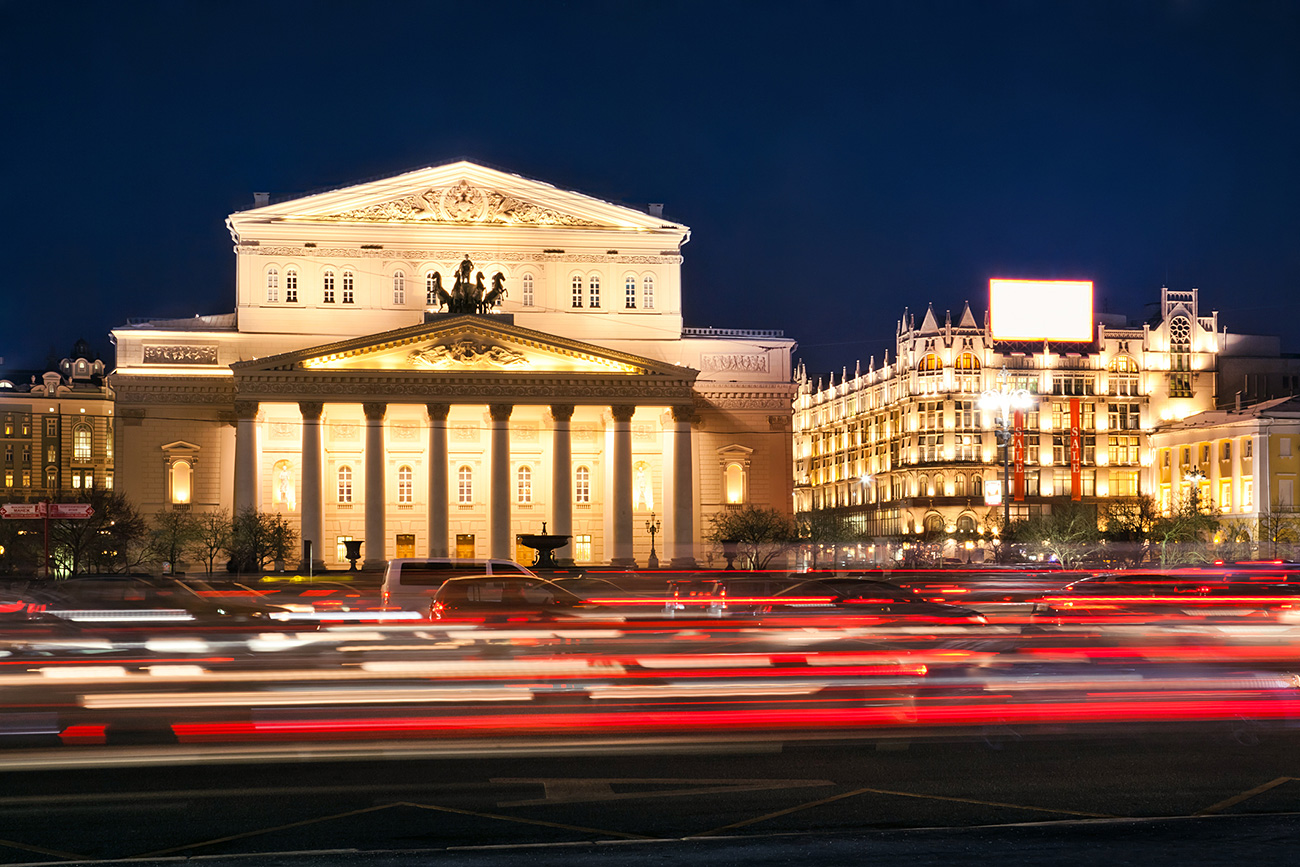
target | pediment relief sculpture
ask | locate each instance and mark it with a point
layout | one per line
(465, 353)
(461, 202)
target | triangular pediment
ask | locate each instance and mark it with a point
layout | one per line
(460, 193)
(469, 344)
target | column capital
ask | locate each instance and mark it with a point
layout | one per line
(561, 411)
(246, 409)
(437, 411)
(683, 412)
(500, 411)
(374, 411)
(311, 409)
(621, 412)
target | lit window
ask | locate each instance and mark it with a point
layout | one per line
(465, 485)
(81, 439)
(9, 478)
(431, 289)
(582, 485)
(524, 485)
(341, 550)
(348, 281)
(108, 481)
(272, 285)
(51, 454)
(345, 484)
(629, 293)
(577, 292)
(528, 290)
(291, 285)
(90, 479)
(735, 483)
(182, 480)
(582, 547)
(327, 281)
(399, 287)
(404, 485)
(1247, 493)
(76, 481)
(648, 292)
(594, 294)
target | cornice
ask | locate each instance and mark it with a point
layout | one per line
(500, 389)
(449, 257)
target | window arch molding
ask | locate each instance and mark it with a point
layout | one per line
(734, 463)
(83, 442)
(528, 289)
(180, 465)
(271, 281)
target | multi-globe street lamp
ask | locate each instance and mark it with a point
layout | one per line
(1005, 400)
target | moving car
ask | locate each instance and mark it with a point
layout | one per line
(410, 584)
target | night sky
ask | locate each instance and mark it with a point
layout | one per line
(835, 161)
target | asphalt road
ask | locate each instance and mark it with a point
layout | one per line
(1191, 797)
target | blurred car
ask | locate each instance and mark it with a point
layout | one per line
(410, 584)
(1136, 596)
(319, 597)
(502, 597)
(868, 596)
(146, 600)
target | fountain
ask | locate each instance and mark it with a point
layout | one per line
(544, 544)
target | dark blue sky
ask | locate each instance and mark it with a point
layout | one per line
(835, 161)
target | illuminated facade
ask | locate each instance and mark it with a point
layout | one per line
(904, 451)
(56, 432)
(1240, 464)
(346, 393)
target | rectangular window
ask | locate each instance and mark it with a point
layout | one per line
(465, 486)
(1225, 495)
(1247, 494)
(629, 293)
(1123, 483)
(51, 455)
(577, 292)
(348, 281)
(108, 481)
(1123, 416)
(1123, 450)
(27, 478)
(582, 547)
(9, 478)
(1284, 447)
(51, 427)
(1285, 493)
(291, 286)
(328, 287)
(9, 454)
(1247, 448)
(345, 485)
(648, 293)
(594, 294)
(341, 550)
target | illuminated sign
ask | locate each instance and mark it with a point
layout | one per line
(993, 492)
(1041, 310)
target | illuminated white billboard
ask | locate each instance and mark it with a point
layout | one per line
(1041, 309)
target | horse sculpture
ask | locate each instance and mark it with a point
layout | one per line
(493, 298)
(437, 295)
(477, 293)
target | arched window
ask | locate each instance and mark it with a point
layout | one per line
(327, 284)
(593, 294)
(282, 492)
(648, 292)
(465, 485)
(291, 285)
(527, 283)
(577, 291)
(976, 486)
(1180, 357)
(404, 485)
(629, 292)
(934, 523)
(430, 289)
(734, 482)
(81, 442)
(959, 485)
(345, 484)
(348, 283)
(967, 371)
(51, 477)
(272, 285)
(1123, 376)
(930, 373)
(582, 485)
(399, 287)
(965, 524)
(524, 485)
(922, 486)
(182, 482)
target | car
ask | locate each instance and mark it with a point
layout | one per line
(144, 599)
(1176, 594)
(410, 583)
(504, 596)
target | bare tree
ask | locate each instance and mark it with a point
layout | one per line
(1278, 532)
(761, 535)
(172, 535)
(212, 536)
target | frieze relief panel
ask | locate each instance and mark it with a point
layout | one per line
(524, 433)
(283, 430)
(583, 432)
(463, 432)
(461, 203)
(179, 353)
(344, 431)
(734, 362)
(404, 431)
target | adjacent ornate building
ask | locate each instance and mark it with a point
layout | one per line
(443, 360)
(904, 450)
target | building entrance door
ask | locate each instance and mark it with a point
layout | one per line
(405, 545)
(465, 546)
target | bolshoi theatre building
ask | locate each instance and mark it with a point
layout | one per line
(438, 362)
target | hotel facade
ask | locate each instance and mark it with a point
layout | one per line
(904, 450)
(439, 362)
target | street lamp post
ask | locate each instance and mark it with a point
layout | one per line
(1005, 399)
(652, 527)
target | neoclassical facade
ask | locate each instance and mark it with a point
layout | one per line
(439, 362)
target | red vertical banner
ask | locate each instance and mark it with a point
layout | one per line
(1018, 455)
(1076, 452)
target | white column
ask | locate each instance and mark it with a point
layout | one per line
(500, 545)
(621, 507)
(439, 495)
(682, 544)
(375, 549)
(312, 500)
(245, 455)
(562, 479)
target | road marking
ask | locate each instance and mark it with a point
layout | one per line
(811, 804)
(40, 850)
(578, 790)
(259, 831)
(1250, 793)
(521, 821)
